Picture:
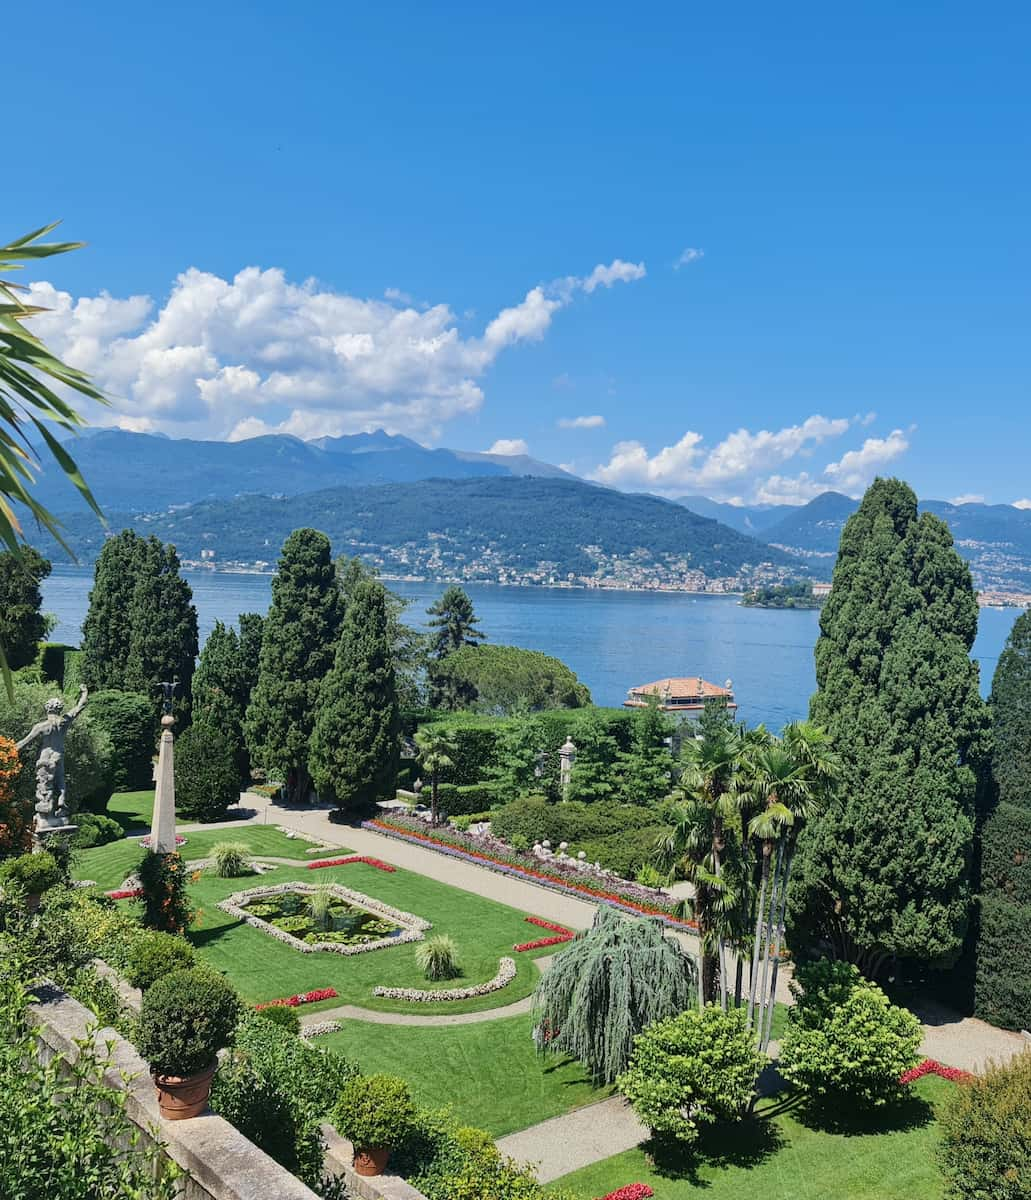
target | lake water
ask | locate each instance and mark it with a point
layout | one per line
(612, 640)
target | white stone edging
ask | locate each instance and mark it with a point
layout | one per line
(506, 973)
(414, 927)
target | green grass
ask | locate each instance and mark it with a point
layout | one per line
(783, 1154)
(132, 810)
(110, 864)
(489, 1072)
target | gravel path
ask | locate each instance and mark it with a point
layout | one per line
(582, 1137)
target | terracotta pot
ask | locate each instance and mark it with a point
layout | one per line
(181, 1098)
(372, 1160)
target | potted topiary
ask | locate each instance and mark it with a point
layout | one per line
(376, 1113)
(186, 1018)
(35, 873)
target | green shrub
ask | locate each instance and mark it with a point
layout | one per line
(1006, 854)
(438, 957)
(696, 1068)
(72, 672)
(459, 800)
(207, 781)
(1002, 988)
(51, 660)
(649, 876)
(128, 720)
(98, 995)
(282, 1015)
(36, 873)
(467, 820)
(187, 1017)
(985, 1149)
(95, 830)
(625, 853)
(163, 882)
(152, 955)
(374, 1111)
(537, 819)
(844, 1037)
(232, 859)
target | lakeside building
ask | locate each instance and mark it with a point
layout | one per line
(686, 695)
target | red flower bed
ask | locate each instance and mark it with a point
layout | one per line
(125, 894)
(549, 925)
(584, 889)
(632, 1191)
(558, 940)
(353, 858)
(931, 1067)
(301, 998)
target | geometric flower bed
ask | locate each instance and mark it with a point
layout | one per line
(354, 858)
(411, 928)
(506, 973)
(314, 997)
(625, 898)
(931, 1067)
(562, 935)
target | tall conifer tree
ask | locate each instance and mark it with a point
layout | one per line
(218, 688)
(22, 624)
(1002, 991)
(453, 624)
(884, 873)
(297, 646)
(355, 746)
(106, 629)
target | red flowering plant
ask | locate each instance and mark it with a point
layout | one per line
(561, 935)
(312, 997)
(125, 894)
(931, 1066)
(163, 886)
(632, 1191)
(378, 863)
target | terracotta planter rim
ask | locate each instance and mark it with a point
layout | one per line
(197, 1076)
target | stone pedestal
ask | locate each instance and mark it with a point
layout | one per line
(43, 831)
(162, 830)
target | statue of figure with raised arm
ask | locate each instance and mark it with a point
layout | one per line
(51, 792)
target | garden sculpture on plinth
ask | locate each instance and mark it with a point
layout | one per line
(51, 788)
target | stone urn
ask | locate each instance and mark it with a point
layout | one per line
(371, 1160)
(180, 1098)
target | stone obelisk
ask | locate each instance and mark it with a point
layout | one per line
(162, 830)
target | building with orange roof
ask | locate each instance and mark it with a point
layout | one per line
(686, 695)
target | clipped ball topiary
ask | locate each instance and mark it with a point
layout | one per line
(153, 955)
(376, 1113)
(186, 1018)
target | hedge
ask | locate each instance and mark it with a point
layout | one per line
(1002, 988)
(52, 662)
(537, 819)
(459, 801)
(128, 720)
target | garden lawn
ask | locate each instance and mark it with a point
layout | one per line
(263, 968)
(489, 1072)
(132, 810)
(109, 865)
(785, 1156)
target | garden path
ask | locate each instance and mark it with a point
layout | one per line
(584, 1136)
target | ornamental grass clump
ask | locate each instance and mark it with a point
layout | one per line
(186, 1018)
(845, 1038)
(608, 984)
(318, 905)
(438, 957)
(232, 860)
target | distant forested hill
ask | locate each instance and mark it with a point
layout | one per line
(487, 526)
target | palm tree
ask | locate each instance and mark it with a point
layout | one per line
(27, 369)
(435, 750)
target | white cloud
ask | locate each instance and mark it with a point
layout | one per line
(1022, 503)
(259, 354)
(688, 256)
(592, 422)
(743, 467)
(968, 498)
(509, 446)
(617, 271)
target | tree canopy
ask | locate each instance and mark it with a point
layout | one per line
(22, 624)
(506, 679)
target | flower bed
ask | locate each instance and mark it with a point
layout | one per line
(632, 1191)
(354, 858)
(413, 927)
(562, 934)
(319, 1028)
(550, 925)
(125, 894)
(506, 973)
(313, 997)
(623, 895)
(932, 1067)
(179, 840)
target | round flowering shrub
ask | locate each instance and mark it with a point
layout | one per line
(845, 1038)
(692, 1069)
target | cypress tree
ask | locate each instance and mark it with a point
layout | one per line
(1002, 989)
(217, 690)
(22, 624)
(162, 627)
(355, 746)
(251, 628)
(884, 872)
(106, 629)
(297, 646)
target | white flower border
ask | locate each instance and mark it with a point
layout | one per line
(319, 1028)
(414, 927)
(506, 973)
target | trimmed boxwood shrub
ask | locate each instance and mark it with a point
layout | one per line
(152, 955)
(36, 873)
(535, 818)
(128, 720)
(459, 800)
(186, 1018)
(986, 1135)
(375, 1111)
(1002, 988)
(282, 1015)
(206, 778)
(95, 830)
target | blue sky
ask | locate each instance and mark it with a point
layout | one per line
(491, 206)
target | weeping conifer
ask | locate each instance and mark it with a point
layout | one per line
(608, 984)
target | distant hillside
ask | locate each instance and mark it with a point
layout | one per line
(814, 528)
(138, 472)
(752, 519)
(520, 530)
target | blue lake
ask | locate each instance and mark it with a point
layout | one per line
(613, 640)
